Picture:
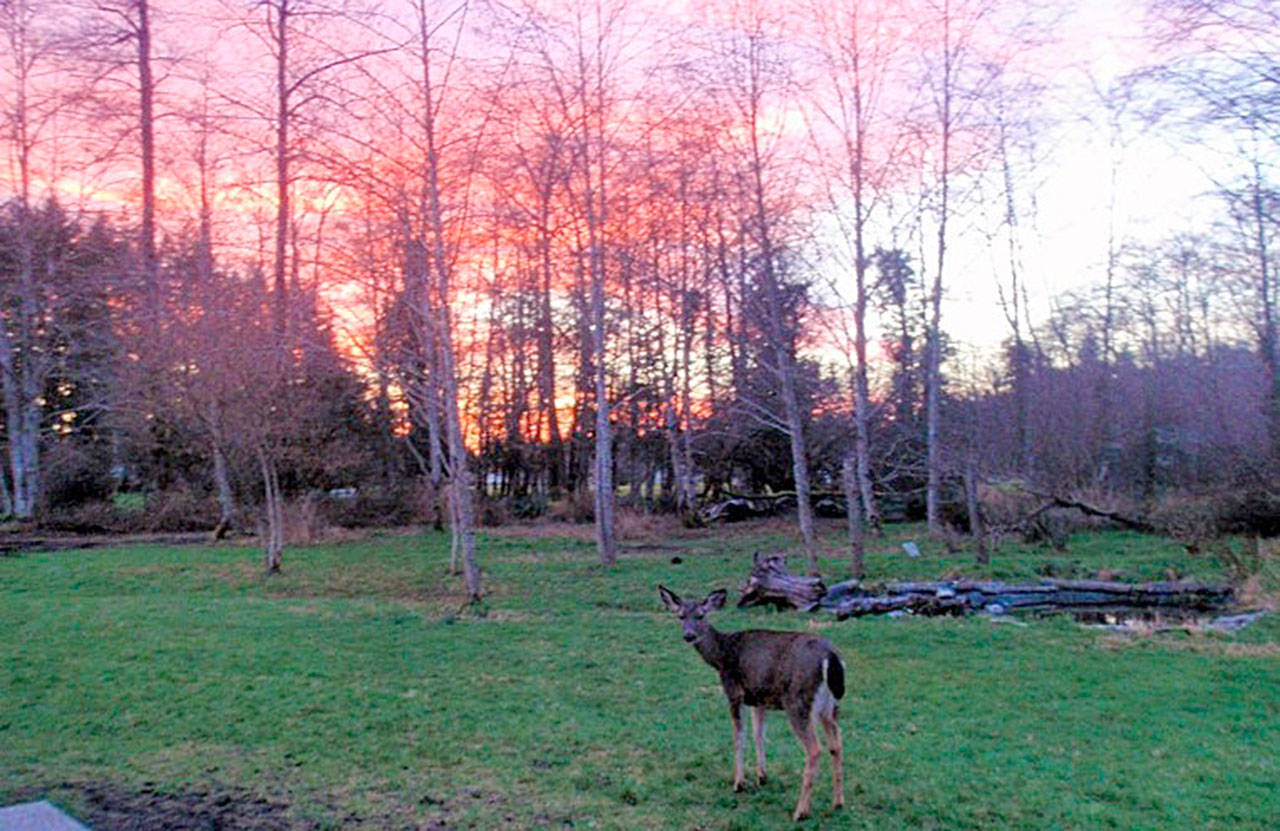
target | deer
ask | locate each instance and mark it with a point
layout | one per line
(798, 673)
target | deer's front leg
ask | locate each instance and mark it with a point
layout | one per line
(735, 712)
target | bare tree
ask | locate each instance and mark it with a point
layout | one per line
(756, 81)
(580, 49)
(1222, 68)
(961, 62)
(859, 62)
(31, 108)
(442, 227)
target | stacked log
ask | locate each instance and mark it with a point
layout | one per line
(769, 583)
(958, 597)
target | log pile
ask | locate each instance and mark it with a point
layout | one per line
(958, 597)
(740, 507)
(770, 583)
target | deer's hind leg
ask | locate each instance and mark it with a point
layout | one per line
(835, 746)
(757, 725)
(802, 724)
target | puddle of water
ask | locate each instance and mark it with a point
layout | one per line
(1166, 620)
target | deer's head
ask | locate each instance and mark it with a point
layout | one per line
(693, 614)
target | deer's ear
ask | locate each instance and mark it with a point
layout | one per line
(670, 598)
(715, 600)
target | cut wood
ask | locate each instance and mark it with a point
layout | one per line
(769, 583)
(965, 596)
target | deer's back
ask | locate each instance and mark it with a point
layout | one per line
(775, 669)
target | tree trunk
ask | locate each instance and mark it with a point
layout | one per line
(853, 515)
(146, 129)
(283, 114)
(222, 484)
(785, 366)
(11, 381)
(933, 381)
(462, 491)
(606, 541)
(976, 528)
(20, 361)
(595, 202)
(274, 512)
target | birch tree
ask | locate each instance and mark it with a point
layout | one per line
(756, 87)
(436, 52)
(859, 61)
(33, 104)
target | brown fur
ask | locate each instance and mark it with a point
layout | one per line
(798, 673)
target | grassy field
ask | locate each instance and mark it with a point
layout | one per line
(180, 687)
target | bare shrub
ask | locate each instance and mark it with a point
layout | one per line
(374, 507)
(1252, 566)
(1198, 518)
(493, 513)
(87, 518)
(303, 520)
(1192, 520)
(633, 524)
(576, 507)
(1254, 511)
(176, 510)
(1006, 504)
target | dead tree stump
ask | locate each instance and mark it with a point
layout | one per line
(769, 583)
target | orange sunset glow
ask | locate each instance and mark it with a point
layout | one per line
(428, 380)
(418, 176)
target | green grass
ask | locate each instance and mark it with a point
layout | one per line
(352, 692)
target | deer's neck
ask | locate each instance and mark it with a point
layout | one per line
(713, 647)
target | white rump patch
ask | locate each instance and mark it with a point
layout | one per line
(824, 703)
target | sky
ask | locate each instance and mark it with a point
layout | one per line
(1159, 187)
(1063, 245)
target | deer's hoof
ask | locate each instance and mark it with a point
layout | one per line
(800, 814)
(761, 778)
(739, 786)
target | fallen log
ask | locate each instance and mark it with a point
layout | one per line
(954, 597)
(769, 583)
(736, 507)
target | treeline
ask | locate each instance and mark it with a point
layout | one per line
(593, 251)
(180, 415)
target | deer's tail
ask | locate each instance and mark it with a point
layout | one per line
(833, 674)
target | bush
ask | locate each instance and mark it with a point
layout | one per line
(577, 507)
(527, 505)
(88, 518)
(303, 522)
(373, 507)
(1255, 512)
(493, 513)
(1196, 518)
(176, 510)
(74, 476)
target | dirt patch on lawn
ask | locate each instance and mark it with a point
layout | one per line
(110, 806)
(105, 806)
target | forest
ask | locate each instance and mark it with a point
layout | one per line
(465, 262)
